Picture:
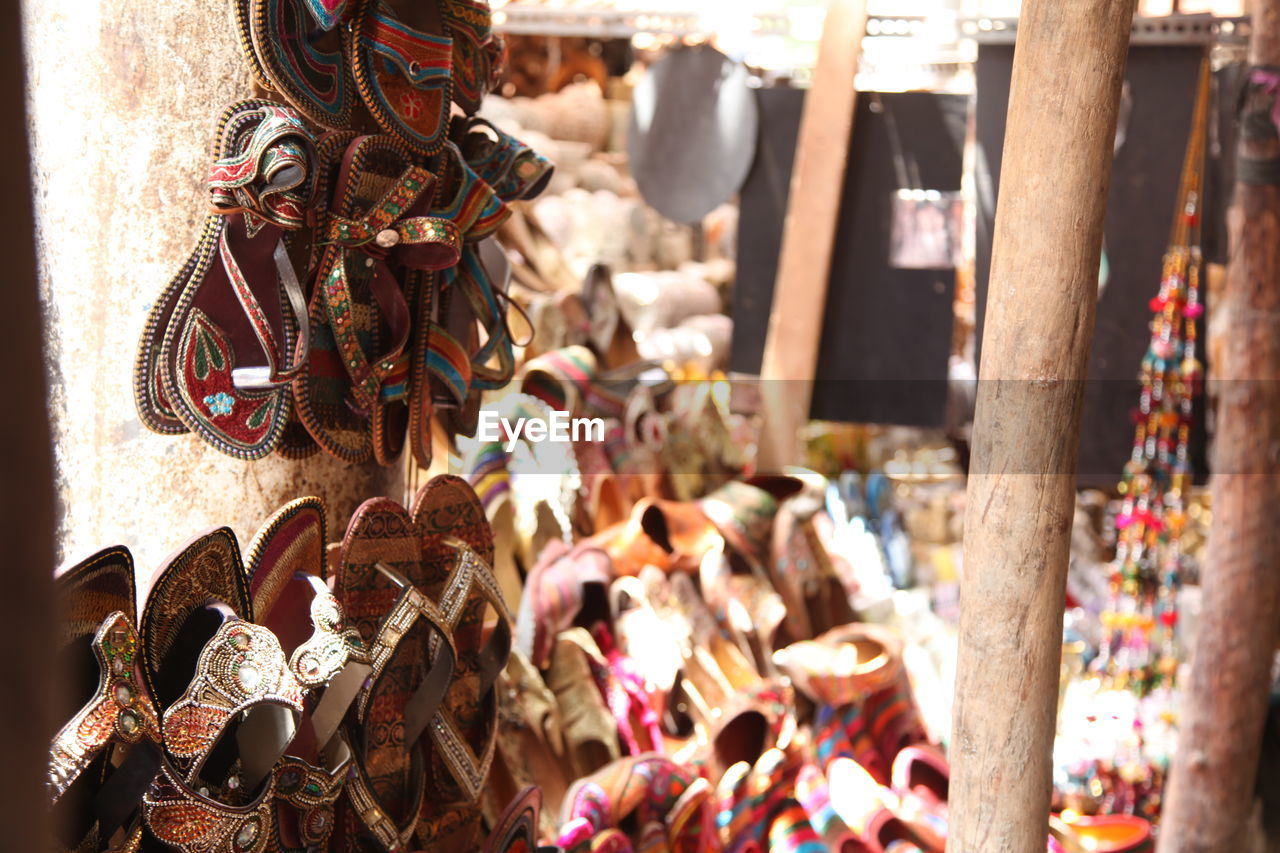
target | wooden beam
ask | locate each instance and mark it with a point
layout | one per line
(809, 233)
(27, 498)
(1225, 698)
(1063, 102)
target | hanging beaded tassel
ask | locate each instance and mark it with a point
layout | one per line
(1139, 627)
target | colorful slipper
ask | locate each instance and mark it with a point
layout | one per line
(514, 170)
(638, 791)
(413, 661)
(154, 407)
(359, 314)
(295, 48)
(864, 806)
(477, 52)
(104, 758)
(226, 355)
(402, 68)
(555, 593)
(286, 563)
(457, 552)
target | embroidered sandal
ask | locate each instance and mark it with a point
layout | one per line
(226, 326)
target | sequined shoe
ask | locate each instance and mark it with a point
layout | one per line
(104, 758)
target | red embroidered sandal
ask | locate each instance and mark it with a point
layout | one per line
(360, 318)
(413, 660)
(104, 758)
(402, 62)
(457, 549)
(225, 355)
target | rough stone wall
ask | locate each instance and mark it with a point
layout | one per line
(122, 99)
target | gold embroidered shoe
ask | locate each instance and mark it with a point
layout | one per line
(223, 739)
(102, 760)
(232, 698)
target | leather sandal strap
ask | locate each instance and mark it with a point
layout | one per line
(368, 239)
(472, 575)
(410, 607)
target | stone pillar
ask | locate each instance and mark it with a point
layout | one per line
(122, 102)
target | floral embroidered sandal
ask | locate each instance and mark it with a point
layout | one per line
(262, 175)
(104, 758)
(361, 321)
(227, 325)
(402, 62)
(413, 661)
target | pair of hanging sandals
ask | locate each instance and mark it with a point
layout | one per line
(393, 313)
(254, 708)
(320, 307)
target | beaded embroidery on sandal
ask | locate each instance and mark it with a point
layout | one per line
(104, 757)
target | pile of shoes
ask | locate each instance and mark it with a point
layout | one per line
(345, 288)
(302, 697)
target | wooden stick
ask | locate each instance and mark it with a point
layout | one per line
(1063, 103)
(27, 490)
(1224, 705)
(809, 233)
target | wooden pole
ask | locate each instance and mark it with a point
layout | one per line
(809, 234)
(27, 487)
(1224, 705)
(1064, 98)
